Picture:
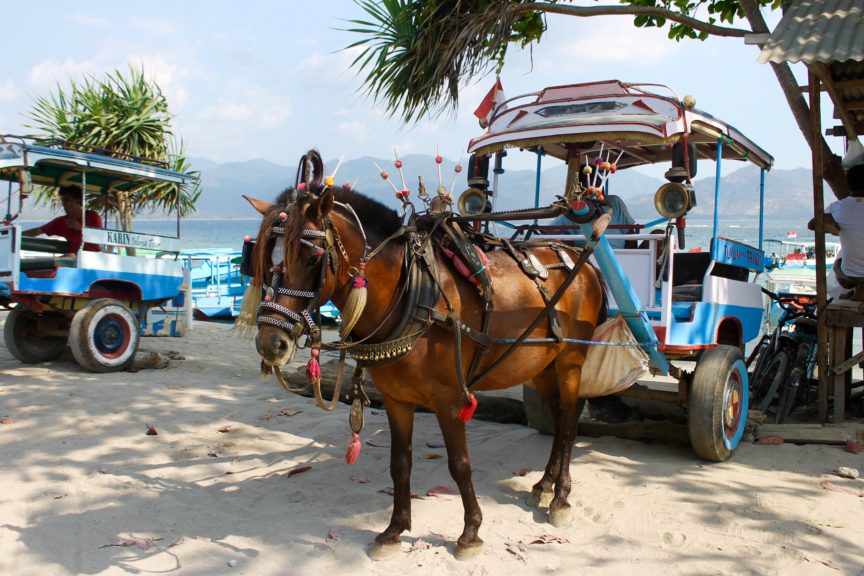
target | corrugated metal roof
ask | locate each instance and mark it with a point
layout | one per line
(818, 31)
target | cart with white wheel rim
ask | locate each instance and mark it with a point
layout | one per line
(93, 302)
(691, 311)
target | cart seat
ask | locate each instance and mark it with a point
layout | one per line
(48, 263)
(687, 293)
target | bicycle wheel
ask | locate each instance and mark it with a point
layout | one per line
(767, 382)
(758, 356)
(789, 395)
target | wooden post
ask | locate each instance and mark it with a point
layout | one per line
(819, 215)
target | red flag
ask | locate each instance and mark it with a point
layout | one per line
(494, 97)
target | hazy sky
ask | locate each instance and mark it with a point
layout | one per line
(262, 79)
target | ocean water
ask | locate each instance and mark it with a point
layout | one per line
(229, 233)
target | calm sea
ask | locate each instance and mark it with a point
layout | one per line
(230, 233)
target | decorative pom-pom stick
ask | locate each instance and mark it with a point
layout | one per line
(598, 160)
(456, 170)
(313, 368)
(611, 167)
(332, 178)
(385, 176)
(438, 161)
(398, 165)
(353, 449)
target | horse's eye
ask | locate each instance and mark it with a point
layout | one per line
(313, 261)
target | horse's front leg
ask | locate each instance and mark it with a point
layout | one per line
(546, 384)
(401, 418)
(469, 543)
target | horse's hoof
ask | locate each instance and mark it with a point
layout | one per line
(539, 499)
(560, 517)
(384, 551)
(466, 552)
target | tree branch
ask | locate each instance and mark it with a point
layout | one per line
(588, 11)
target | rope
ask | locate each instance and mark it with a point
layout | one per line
(575, 341)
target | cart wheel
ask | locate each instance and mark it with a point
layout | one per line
(104, 336)
(538, 413)
(24, 341)
(717, 410)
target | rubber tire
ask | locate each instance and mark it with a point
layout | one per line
(23, 341)
(93, 336)
(764, 390)
(719, 387)
(537, 412)
(788, 398)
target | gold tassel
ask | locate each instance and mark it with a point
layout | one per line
(355, 303)
(247, 321)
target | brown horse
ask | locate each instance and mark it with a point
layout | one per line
(319, 238)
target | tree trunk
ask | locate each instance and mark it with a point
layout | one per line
(832, 168)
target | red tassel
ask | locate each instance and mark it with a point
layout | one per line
(468, 409)
(353, 450)
(313, 369)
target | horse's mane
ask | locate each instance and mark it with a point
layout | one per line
(379, 222)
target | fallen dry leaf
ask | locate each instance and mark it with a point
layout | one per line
(151, 431)
(431, 456)
(549, 539)
(441, 491)
(6, 420)
(389, 490)
(212, 454)
(436, 443)
(142, 543)
(224, 429)
(770, 441)
(61, 496)
(522, 471)
(174, 386)
(359, 480)
(419, 544)
(267, 415)
(334, 535)
(517, 549)
(289, 412)
(853, 447)
(298, 470)
(841, 489)
(377, 443)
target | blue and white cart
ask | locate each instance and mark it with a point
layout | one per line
(693, 312)
(95, 303)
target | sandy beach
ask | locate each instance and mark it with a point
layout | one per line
(244, 478)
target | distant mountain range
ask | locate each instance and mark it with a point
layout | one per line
(788, 193)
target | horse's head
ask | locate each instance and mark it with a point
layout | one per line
(293, 253)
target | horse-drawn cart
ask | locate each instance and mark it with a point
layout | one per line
(681, 306)
(94, 302)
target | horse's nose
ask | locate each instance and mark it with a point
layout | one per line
(274, 346)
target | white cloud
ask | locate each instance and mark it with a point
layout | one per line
(311, 62)
(82, 19)
(356, 131)
(8, 91)
(48, 73)
(251, 109)
(154, 25)
(170, 77)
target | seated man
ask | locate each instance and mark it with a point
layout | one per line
(846, 219)
(69, 225)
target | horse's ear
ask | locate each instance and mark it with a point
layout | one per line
(320, 206)
(259, 205)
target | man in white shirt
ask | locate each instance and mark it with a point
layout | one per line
(846, 219)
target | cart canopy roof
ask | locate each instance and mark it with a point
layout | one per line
(616, 116)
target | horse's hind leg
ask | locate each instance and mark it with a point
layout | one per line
(469, 543)
(401, 419)
(546, 384)
(565, 434)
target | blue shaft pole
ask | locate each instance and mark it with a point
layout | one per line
(717, 195)
(537, 183)
(627, 300)
(761, 205)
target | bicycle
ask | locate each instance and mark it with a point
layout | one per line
(784, 361)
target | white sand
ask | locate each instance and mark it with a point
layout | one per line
(78, 476)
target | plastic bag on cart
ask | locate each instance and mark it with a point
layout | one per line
(610, 369)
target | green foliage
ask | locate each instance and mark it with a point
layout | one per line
(717, 10)
(121, 114)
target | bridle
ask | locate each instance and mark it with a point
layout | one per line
(294, 323)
